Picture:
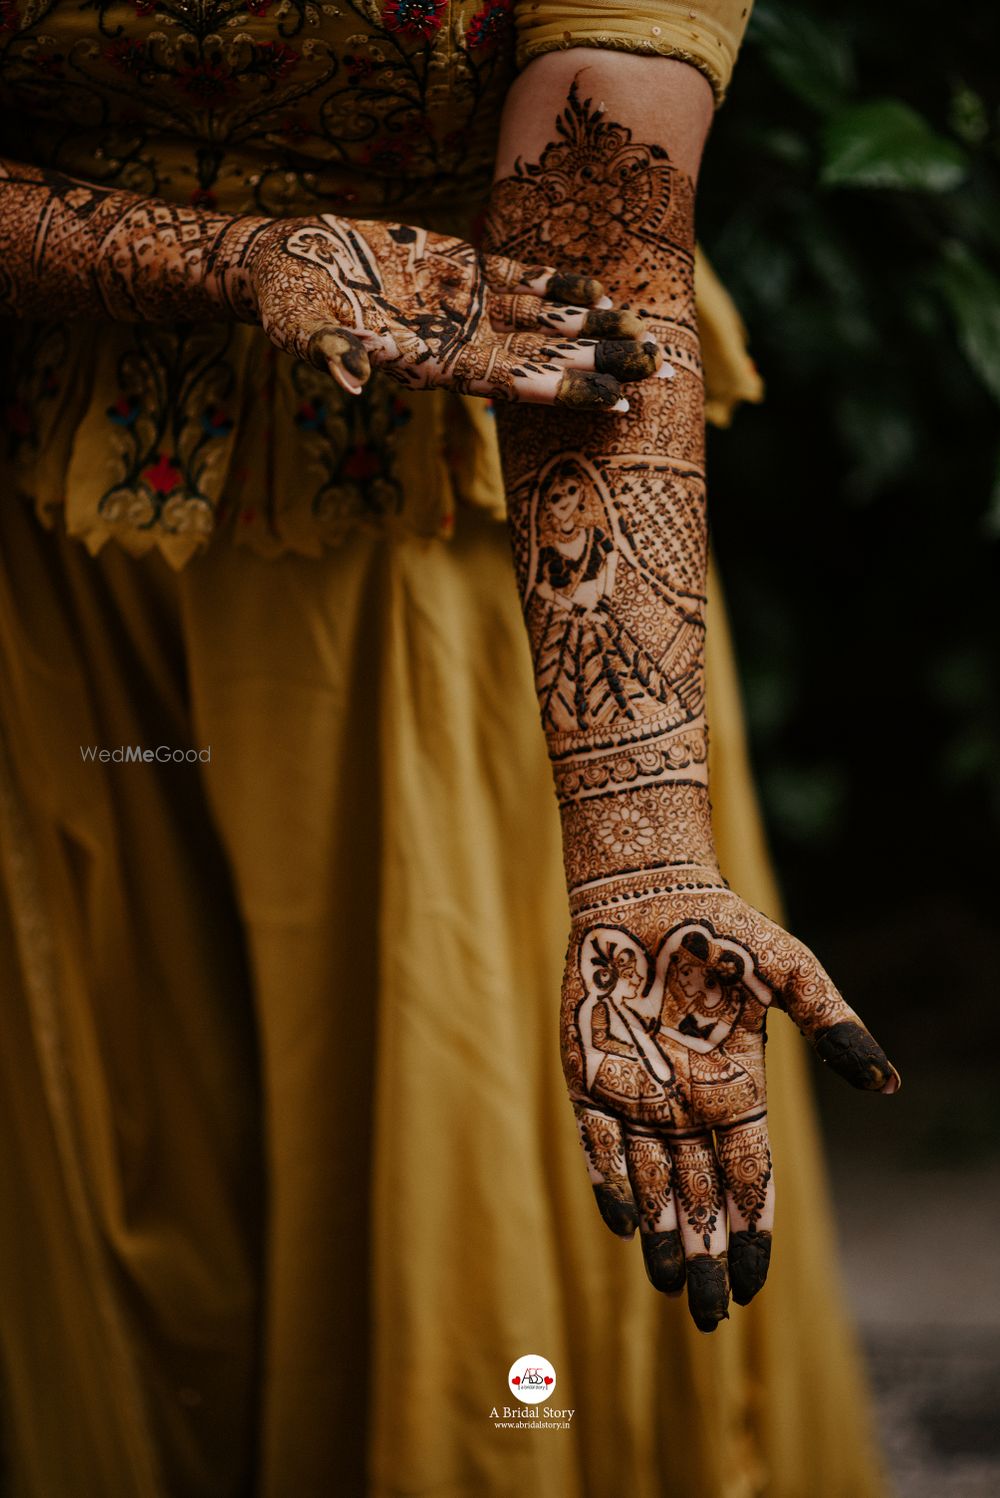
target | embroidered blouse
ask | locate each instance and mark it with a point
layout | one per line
(142, 433)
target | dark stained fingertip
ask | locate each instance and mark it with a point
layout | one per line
(579, 291)
(749, 1258)
(586, 391)
(617, 1209)
(610, 323)
(855, 1055)
(626, 359)
(339, 347)
(708, 1291)
(663, 1256)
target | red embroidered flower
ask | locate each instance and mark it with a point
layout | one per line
(203, 197)
(257, 7)
(163, 476)
(491, 24)
(208, 82)
(144, 7)
(275, 60)
(416, 18)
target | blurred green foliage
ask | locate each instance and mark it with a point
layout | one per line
(851, 202)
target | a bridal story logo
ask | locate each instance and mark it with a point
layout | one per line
(532, 1378)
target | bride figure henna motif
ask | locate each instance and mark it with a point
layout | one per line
(670, 975)
(342, 295)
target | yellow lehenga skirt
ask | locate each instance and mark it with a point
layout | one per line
(287, 1175)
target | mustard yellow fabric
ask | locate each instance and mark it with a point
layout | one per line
(705, 33)
(287, 1175)
(289, 1179)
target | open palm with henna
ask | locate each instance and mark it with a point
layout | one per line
(430, 311)
(665, 1001)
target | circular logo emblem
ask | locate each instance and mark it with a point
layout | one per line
(532, 1378)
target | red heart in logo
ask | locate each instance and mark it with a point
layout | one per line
(515, 1379)
(548, 1380)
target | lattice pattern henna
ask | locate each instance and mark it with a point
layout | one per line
(75, 249)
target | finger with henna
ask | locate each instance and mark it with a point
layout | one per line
(701, 1213)
(650, 1173)
(604, 1148)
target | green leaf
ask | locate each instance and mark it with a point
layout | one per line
(887, 144)
(967, 115)
(972, 294)
(812, 61)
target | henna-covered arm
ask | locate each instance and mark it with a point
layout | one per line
(345, 296)
(75, 249)
(598, 158)
(596, 164)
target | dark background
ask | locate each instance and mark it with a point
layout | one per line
(851, 203)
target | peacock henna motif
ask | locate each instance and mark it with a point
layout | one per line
(669, 974)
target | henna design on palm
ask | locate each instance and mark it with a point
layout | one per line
(669, 975)
(663, 1051)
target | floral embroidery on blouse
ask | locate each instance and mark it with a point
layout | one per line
(267, 106)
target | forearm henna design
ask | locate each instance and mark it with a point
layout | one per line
(340, 295)
(74, 249)
(669, 975)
